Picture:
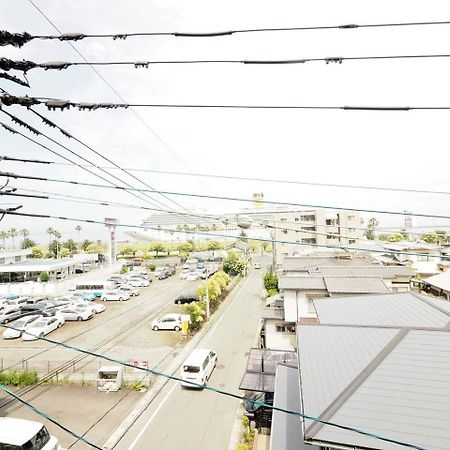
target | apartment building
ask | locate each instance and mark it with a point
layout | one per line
(314, 227)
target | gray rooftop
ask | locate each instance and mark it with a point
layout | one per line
(365, 271)
(39, 265)
(397, 310)
(361, 285)
(286, 432)
(440, 281)
(290, 282)
(272, 313)
(391, 382)
(299, 263)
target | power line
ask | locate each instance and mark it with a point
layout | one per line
(19, 39)
(216, 234)
(46, 416)
(60, 104)
(235, 199)
(120, 97)
(25, 66)
(221, 391)
(37, 132)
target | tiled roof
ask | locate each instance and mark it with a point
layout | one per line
(364, 271)
(360, 285)
(298, 263)
(301, 283)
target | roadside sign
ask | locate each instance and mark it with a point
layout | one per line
(141, 364)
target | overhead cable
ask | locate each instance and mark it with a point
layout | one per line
(218, 234)
(25, 66)
(217, 197)
(19, 39)
(60, 104)
(46, 416)
(221, 391)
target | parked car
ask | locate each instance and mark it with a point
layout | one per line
(84, 295)
(186, 298)
(18, 301)
(115, 278)
(20, 325)
(115, 295)
(44, 308)
(130, 290)
(171, 270)
(184, 274)
(96, 307)
(137, 281)
(79, 269)
(137, 271)
(167, 322)
(76, 312)
(162, 274)
(8, 314)
(192, 276)
(42, 327)
(256, 265)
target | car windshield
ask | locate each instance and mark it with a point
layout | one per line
(37, 442)
(19, 323)
(40, 324)
(191, 369)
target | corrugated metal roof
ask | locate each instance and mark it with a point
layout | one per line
(330, 359)
(398, 310)
(439, 302)
(366, 271)
(361, 285)
(286, 431)
(441, 281)
(407, 397)
(297, 263)
(290, 282)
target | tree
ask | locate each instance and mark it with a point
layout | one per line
(3, 237)
(370, 231)
(214, 245)
(234, 264)
(27, 243)
(36, 253)
(395, 237)
(157, 247)
(50, 232)
(53, 248)
(430, 238)
(185, 247)
(123, 269)
(13, 233)
(128, 250)
(271, 282)
(93, 248)
(78, 229)
(71, 246)
(197, 312)
(44, 276)
(65, 252)
(85, 244)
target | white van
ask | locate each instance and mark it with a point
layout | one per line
(19, 434)
(198, 368)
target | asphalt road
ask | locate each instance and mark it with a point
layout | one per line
(190, 419)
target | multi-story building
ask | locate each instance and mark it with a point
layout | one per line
(295, 232)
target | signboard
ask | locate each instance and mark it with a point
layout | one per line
(111, 223)
(141, 364)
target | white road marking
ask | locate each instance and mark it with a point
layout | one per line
(133, 444)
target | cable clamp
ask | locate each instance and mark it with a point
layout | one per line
(71, 36)
(119, 36)
(336, 60)
(349, 25)
(14, 39)
(58, 65)
(53, 105)
(141, 64)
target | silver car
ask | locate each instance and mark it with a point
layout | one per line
(76, 313)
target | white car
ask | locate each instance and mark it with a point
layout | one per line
(20, 326)
(9, 313)
(76, 312)
(96, 307)
(137, 282)
(115, 295)
(167, 322)
(192, 276)
(132, 291)
(257, 266)
(184, 274)
(42, 326)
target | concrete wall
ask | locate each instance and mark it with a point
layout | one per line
(276, 340)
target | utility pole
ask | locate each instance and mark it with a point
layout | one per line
(208, 313)
(274, 250)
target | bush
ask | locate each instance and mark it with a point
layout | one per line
(234, 264)
(44, 276)
(151, 267)
(271, 292)
(242, 447)
(271, 281)
(18, 378)
(123, 269)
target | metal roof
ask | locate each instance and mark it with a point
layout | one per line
(440, 281)
(298, 263)
(39, 265)
(366, 271)
(361, 285)
(272, 313)
(286, 432)
(305, 282)
(398, 310)
(403, 394)
(261, 367)
(331, 358)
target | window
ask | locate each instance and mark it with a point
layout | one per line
(349, 218)
(17, 258)
(332, 236)
(309, 241)
(308, 218)
(296, 219)
(205, 363)
(2, 260)
(283, 219)
(329, 222)
(285, 328)
(352, 241)
(284, 231)
(309, 228)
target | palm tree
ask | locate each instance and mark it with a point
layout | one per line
(78, 229)
(50, 231)
(12, 234)
(57, 235)
(3, 236)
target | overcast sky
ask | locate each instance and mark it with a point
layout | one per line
(399, 149)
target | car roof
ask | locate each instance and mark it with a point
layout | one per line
(171, 316)
(17, 431)
(197, 356)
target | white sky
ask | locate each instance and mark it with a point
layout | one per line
(401, 149)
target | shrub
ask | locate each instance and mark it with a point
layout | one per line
(151, 267)
(44, 276)
(18, 378)
(123, 269)
(271, 292)
(242, 447)
(271, 281)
